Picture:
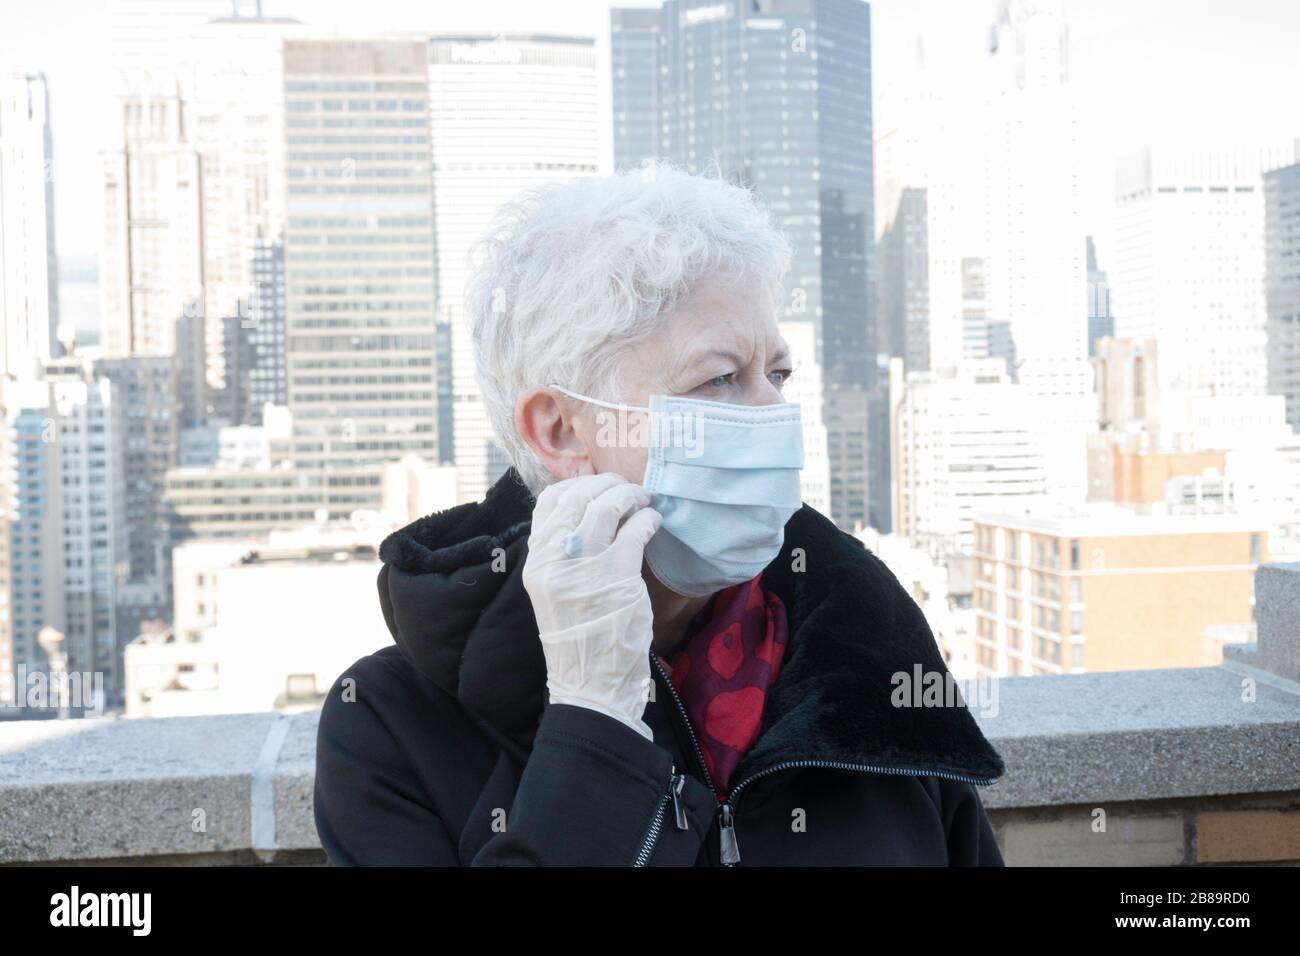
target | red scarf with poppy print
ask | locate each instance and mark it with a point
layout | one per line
(723, 670)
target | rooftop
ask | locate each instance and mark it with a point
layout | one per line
(1107, 520)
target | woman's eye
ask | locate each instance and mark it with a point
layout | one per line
(720, 380)
(784, 374)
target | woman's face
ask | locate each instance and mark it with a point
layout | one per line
(720, 344)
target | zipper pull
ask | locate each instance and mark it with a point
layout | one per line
(677, 785)
(727, 837)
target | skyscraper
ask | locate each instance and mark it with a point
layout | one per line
(233, 89)
(634, 65)
(29, 280)
(1101, 322)
(359, 261)
(917, 118)
(974, 310)
(32, 524)
(1282, 284)
(64, 521)
(805, 389)
(506, 112)
(965, 439)
(263, 334)
(1127, 384)
(146, 388)
(93, 550)
(151, 257)
(194, 190)
(1188, 266)
(1034, 242)
(777, 94)
(902, 331)
(903, 289)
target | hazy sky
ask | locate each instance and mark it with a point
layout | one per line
(1201, 71)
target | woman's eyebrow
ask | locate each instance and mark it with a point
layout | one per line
(734, 357)
(782, 354)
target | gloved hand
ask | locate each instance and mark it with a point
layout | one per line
(583, 574)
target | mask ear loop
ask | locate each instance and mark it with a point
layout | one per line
(596, 401)
(616, 407)
(619, 406)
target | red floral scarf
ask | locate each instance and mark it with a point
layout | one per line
(722, 672)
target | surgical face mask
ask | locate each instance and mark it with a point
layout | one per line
(725, 478)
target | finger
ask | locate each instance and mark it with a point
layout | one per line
(637, 531)
(550, 497)
(566, 505)
(603, 514)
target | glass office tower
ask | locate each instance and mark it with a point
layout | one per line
(777, 93)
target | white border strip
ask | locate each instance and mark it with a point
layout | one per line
(262, 801)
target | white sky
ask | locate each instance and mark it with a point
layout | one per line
(1144, 71)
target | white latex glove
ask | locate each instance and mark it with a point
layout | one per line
(583, 574)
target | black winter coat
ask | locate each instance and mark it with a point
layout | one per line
(442, 750)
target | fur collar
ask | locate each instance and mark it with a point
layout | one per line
(452, 596)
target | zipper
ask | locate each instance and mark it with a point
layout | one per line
(686, 722)
(728, 848)
(679, 809)
(676, 782)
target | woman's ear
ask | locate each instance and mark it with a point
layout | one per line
(544, 423)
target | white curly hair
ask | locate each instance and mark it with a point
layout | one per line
(574, 274)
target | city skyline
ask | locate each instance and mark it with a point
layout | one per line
(1150, 74)
(287, 207)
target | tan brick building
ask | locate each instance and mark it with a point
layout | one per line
(1105, 589)
(1140, 476)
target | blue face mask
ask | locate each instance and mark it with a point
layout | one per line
(724, 477)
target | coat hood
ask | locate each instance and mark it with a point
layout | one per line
(452, 594)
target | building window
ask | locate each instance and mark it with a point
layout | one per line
(1074, 555)
(1255, 549)
(1076, 591)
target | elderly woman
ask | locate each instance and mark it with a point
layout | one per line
(641, 648)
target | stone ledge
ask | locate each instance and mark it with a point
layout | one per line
(175, 786)
(1277, 611)
(1140, 738)
(1143, 735)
